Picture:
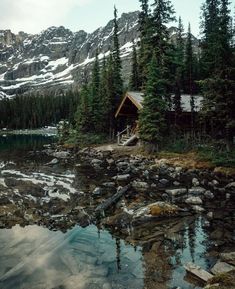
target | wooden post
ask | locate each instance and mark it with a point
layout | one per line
(118, 135)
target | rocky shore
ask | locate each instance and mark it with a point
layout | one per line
(145, 201)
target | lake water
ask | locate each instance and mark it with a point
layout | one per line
(35, 257)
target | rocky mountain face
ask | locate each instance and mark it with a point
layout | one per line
(57, 58)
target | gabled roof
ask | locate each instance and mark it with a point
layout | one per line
(137, 99)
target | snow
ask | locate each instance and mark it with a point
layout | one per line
(55, 63)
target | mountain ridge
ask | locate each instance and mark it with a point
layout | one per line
(56, 58)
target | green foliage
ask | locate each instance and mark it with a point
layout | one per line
(117, 65)
(37, 110)
(218, 156)
(218, 86)
(152, 115)
(84, 110)
(134, 80)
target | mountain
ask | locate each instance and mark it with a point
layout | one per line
(57, 58)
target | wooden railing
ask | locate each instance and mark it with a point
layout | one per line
(127, 130)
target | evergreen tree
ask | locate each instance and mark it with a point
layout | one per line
(152, 115)
(179, 59)
(96, 104)
(210, 41)
(117, 65)
(163, 14)
(218, 86)
(145, 47)
(83, 114)
(134, 80)
(105, 96)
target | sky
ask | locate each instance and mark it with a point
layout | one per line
(33, 16)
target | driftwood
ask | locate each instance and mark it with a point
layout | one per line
(198, 272)
(111, 201)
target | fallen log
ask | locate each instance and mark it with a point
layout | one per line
(111, 201)
(198, 272)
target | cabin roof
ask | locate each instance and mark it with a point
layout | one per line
(137, 99)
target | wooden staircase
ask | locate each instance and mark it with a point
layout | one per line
(127, 136)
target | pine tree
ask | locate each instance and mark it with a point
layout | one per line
(179, 59)
(218, 86)
(152, 115)
(210, 41)
(83, 114)
(163, 14)
(145, 46)
(189, 65)
(105, 99)
(117, 65)
(134, 80)
(96, 105)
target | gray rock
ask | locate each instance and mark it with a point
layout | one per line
(209, 195)
(177, 184)
(177, 192)
(198, 209)
(122, 177)
(97, 191)
(210, 215)
(61, 155)
(222, 267)
(109, 184)
(193, 201)
(164, 181)
(195, 182)
(96, 162)
(197, 191)
(140, 185)
(231, 186)
(228, 257)
(53, 162)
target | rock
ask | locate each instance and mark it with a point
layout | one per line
(109, 185)
(140, 185)
(222, 267)
(228, 257)
(110, 161)
(97, 191)
(61, 155)
(177, 192)
(215, 182)
(177, 184)
(53, 162)
(209, 195)
(198, 209)
(230, 186)
(195, 182)
(122, 177)
(164, 181)
(96, 162)
(198, 272)
(193, 201)
(156, 210)
(197, 191)
(210, 215)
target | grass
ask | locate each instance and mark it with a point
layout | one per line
(76, 139)
(225, 281)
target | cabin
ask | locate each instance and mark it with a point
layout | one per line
(128, 111)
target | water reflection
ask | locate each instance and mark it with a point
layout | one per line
(35, 257)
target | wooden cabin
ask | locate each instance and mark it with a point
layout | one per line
(128, 112)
